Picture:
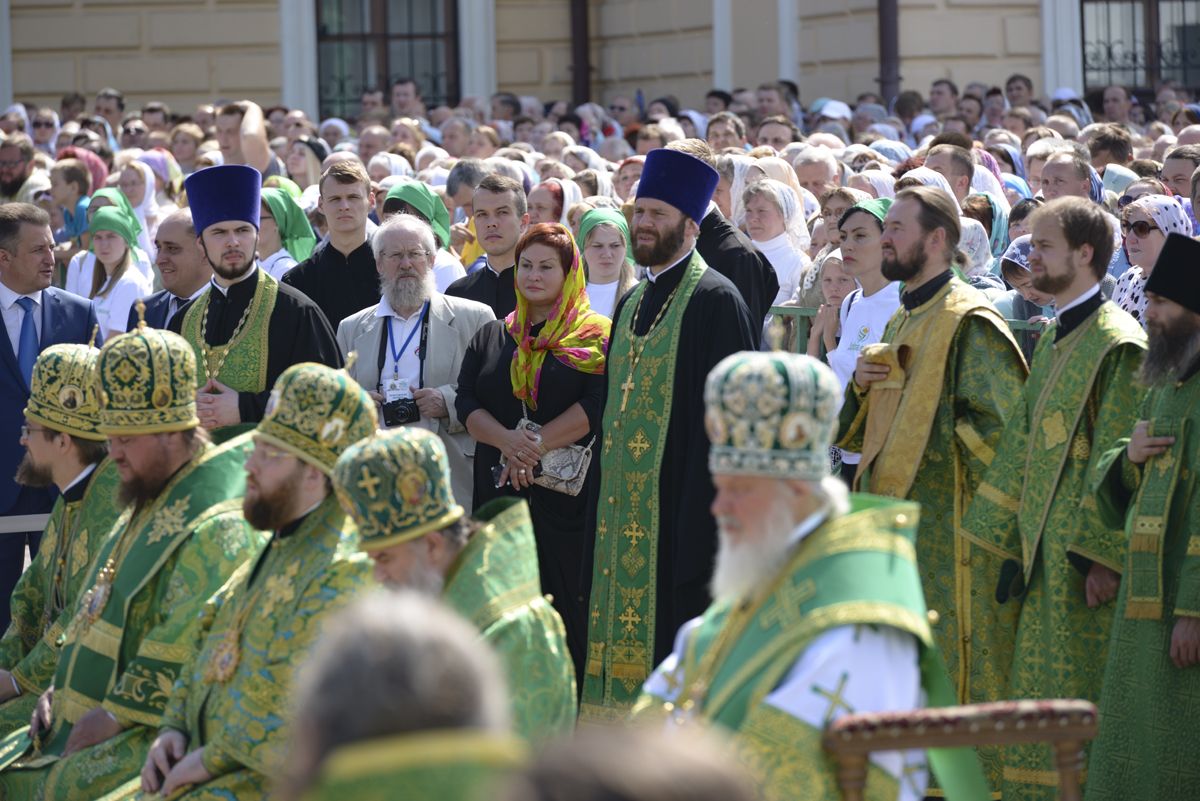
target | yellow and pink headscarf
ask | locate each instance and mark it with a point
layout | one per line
(573, 333)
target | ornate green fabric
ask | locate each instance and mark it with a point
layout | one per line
(147, 383)
(1150, 709)
(243, 359)
(495, 585)
(978, 384)
(621, 626)
(132, 635)
(316, 412)
(1082, 393)
(425, 766)
(859, 569)
(64, 391)
(273, 608)
(47, 594)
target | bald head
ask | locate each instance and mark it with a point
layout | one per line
(337, 158)
(180, 259)
(1189, 136)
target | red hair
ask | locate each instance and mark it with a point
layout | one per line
(553, 236)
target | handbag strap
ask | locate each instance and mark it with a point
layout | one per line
(525, 415)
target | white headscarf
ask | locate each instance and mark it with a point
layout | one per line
(396, 165)
(975, 243)
(984, 183)
(883, 183)
(147, 210)
(571, 194)
(737, 210)
(927, 177)
(788, 253)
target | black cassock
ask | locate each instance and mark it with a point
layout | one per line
(715, 324)
(484, 286)
(297, 332)
(731, 253)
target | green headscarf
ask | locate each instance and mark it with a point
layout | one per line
(118, 199)
(594, 217)
(425, 201)
(294, 229)
(112, 219)
(287, 184)
(877, 207)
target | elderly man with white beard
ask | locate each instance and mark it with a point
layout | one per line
(410, 345)
(818, 610)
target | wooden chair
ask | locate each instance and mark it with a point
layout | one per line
(1065, 724)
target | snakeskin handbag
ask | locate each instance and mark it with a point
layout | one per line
(563, 469)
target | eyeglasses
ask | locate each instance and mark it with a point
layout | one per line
(1141, 228)
(416, 254)
(11, 163)
(27, 429)
(43, 123)
(615, 107)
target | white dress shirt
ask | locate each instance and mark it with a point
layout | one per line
(14, 315)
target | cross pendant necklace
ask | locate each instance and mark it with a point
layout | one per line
(638, 344)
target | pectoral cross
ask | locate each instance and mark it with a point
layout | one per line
(836, 698)
(626, 388)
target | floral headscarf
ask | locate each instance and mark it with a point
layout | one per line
(573, 333)
(1166, 212)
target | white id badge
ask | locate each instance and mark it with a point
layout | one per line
(395, 389)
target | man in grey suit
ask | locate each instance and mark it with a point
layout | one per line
(410, 345)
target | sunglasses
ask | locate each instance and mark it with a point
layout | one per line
(1141, 228)
(43, 123)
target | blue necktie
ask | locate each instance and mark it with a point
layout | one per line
(27, 350)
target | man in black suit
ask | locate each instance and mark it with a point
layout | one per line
(730, 252)
(36, 315)
(184, 269)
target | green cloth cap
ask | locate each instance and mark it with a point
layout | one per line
(295, 231)
(65, 393)
(877, 207)
(594, 217)
(396, 487)
(315, 412)
(112, 219)
(771, 414)
(147, 383)
(118, 199)
(427, 203)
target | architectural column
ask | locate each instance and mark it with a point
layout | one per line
(722, 33)
(298, 56)
(1062, 45)
(789, 40)
(6, 59)
(477, 47)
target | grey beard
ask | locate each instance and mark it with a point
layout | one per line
(1168, 355)
(404, 293)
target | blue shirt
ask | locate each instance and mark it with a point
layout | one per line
(75, 224)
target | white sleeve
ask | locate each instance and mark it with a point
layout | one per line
(128, 291)
(859, 669)
(666, 681)
(446, 270)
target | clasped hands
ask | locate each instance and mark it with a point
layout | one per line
(523, 450)
(167, 768)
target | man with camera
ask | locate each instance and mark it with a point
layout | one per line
(410, 345)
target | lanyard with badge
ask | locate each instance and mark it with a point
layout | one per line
(397, 388)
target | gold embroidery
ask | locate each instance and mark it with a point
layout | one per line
(1054, 431)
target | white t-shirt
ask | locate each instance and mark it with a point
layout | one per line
(112, 309)
(788, 262)
(79, 271)
(278, 263)
(446, 269)
(603, 297)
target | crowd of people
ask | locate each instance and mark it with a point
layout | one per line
(741, 417)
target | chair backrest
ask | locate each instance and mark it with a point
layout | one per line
(1065, 724)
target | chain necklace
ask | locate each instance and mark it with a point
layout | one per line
(220, 351)
(97, 597)
(638, 344)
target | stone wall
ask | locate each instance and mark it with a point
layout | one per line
(182, 52)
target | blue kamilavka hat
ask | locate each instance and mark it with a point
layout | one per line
(220, 194)
(684, 181)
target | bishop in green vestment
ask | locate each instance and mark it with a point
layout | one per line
(178, 539)
(396, 487)
(223, 732)
(926, 408)
(819, 609)
(1150, 703)
(655, 537)
(63, 447)
(1034, 501)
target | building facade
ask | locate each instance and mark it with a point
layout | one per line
(320, 54)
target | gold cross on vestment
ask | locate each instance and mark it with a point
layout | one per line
(789, 599)
(626, 388)
(836, 698)
(635, 533)
(630, 618)
(368, 483)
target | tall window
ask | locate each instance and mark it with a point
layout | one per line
(370, 43)
(1141, 43)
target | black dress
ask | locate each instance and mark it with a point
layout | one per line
(560, 521)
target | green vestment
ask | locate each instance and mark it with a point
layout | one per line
(1150, 709)
(442, 765)
(961, 378)
(621, 631)
(135, 629)
(48, 592)
(494, 584)
(277, 603)
(857, 569)
(1034, 503)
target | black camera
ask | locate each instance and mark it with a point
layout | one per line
(400, 412)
